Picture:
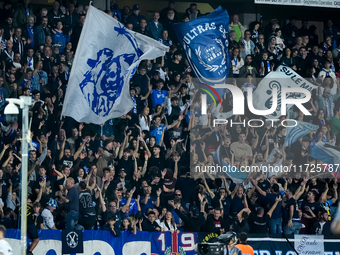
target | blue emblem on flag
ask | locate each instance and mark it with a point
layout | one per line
(205, 41)
(103, 82)
(107, 57)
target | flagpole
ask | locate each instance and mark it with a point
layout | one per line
(24, 103)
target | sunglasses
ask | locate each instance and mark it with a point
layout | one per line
(112, 205)
(178, 195)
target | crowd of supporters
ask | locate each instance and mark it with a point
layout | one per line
(137, 172)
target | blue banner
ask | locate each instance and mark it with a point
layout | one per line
(205, 41)
(156, 243)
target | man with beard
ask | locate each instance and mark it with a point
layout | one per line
(167, 25)
(164, 12)
(248, 67)
(310, 209)
(65, 157)
(42, 32)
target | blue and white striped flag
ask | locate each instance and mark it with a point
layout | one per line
(293, 134)
(326, 153)
(106, 58)
(231, 172)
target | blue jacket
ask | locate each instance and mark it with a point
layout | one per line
(61, 39)
(154, 31)
(35, 83)
(41, 35)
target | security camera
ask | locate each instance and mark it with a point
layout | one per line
(11, 113)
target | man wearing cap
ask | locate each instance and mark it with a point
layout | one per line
(109, 154)
(122, 180)
(47, 214)
(135, 18)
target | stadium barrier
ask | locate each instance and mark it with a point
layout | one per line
(157, 243)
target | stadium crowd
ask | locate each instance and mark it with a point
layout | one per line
(138, 172)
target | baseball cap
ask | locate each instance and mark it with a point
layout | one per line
(135, 7)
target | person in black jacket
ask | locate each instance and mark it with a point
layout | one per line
(150, 224)
(215, 223)
(112, 226)
(195, 221)
(7, 220)
(322, 226)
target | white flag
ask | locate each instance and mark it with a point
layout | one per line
(327, 153)
(293, 134)
(106, 58)
(282, 77)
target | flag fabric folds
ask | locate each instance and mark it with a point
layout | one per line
(205, 41)
(326, 153)
(106, 58)
(293, 134)
(229, 171)
(282, 77)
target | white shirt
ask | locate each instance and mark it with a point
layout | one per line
(247, 47)
(17, 65)
(143, 124)
(48, 221)
(5, 248)
(162, 225)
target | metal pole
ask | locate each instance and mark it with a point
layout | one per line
(24, 158)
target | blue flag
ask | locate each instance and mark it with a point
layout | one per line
(294, 134)
(328, 154)
(205, 41)
(229, 171)
(72, 241)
